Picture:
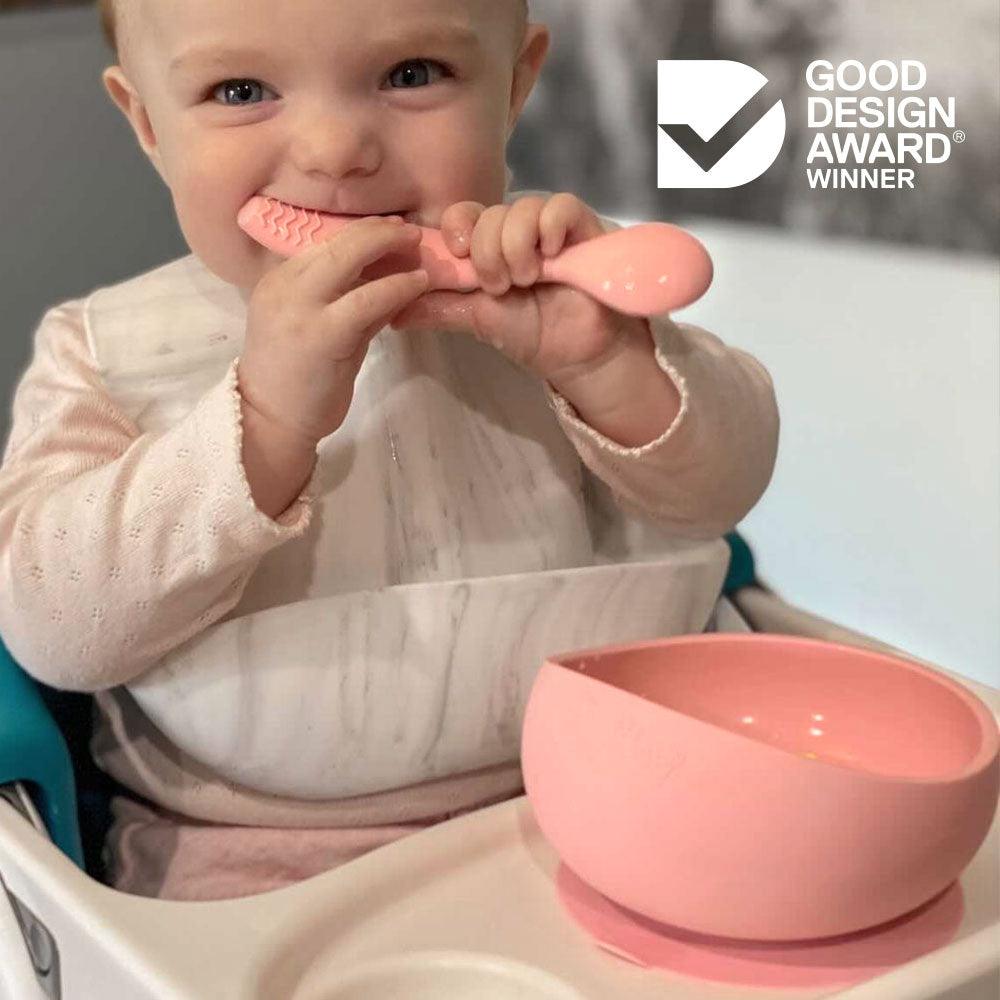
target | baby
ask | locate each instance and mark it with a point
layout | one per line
(304, 537)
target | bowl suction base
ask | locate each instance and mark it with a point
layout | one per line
(821, 962)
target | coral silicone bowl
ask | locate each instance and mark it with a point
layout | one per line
(759, 786)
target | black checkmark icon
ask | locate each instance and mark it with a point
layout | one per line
(707, 154)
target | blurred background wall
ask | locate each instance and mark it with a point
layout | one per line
(80, 206)
(874, 310)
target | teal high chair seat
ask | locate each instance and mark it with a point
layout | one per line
(33, 752)
(36, 723)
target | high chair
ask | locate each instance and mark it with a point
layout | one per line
(64, 934)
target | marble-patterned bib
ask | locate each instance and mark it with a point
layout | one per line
(451, 549)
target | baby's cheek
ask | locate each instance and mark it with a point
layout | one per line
(227, 251)
(472, 171)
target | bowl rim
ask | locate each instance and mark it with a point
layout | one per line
(989, 728)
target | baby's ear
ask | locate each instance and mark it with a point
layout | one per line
(526, 70)
(125, 96)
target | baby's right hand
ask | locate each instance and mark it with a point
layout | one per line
(310, 320)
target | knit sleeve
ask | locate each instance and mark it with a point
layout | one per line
(116, 546)
(706, 471)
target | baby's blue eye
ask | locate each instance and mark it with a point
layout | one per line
(243, 89)
(410, 73)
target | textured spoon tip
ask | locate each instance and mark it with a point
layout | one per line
(279, 226)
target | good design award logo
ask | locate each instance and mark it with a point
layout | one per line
(876, 140)
(719, 126)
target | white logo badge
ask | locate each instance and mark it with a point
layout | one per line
(718, 128)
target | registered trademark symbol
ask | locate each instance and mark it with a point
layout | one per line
(958, 135)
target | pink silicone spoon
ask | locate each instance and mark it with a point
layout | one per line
(641, 270)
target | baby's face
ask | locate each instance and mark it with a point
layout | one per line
(370, 107)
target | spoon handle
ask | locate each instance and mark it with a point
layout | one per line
(640, 270)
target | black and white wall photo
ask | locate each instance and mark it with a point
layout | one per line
(590, 127)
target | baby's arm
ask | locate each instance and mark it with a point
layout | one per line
(706, 471)
(118, 546)
(702, 475)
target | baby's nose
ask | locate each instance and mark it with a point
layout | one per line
(336, 144)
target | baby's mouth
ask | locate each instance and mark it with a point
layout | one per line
(405, 213)
(288, 229)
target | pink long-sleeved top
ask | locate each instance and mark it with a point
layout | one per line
(359, 665)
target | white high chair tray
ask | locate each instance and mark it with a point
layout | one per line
(479, 888)
(463, 911)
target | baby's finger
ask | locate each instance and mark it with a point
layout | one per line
(457, 223)
(486, 252)
(370, 306)
(565, 221)
(519, 241)
(335, 266)
(305, 258)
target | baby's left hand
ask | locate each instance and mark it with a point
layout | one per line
(554, 331)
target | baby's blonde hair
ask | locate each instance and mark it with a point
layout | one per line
(113, 28)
